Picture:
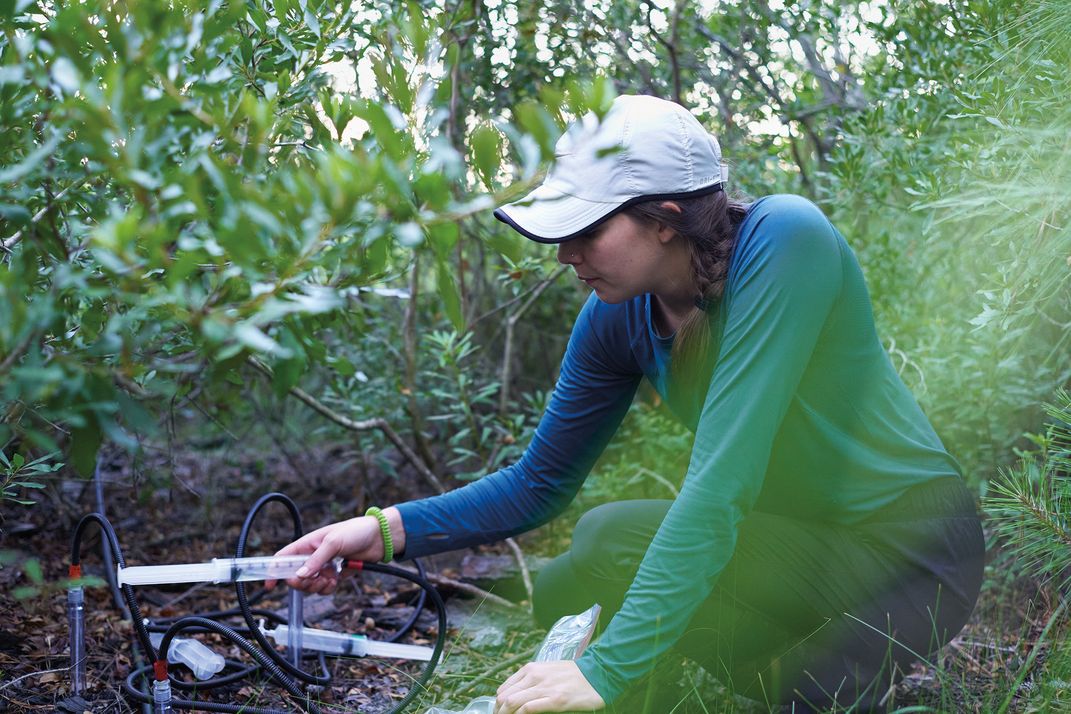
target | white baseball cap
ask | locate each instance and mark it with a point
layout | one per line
(644, 149)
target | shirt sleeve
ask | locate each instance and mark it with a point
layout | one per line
(780, 294)
(596, 384)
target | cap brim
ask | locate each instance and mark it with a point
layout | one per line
(549, 216)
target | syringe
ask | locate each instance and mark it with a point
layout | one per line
(338, 643)
(219, 570)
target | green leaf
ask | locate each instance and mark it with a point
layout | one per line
(33, 571)
(85, 443)
(507, 243)
(383, 127)
(287, 372)
(535, 120)
(443, 237)
(451, 299)
(66, 75)
(417, 30)
(17, 216)
(251, 336)
(312, 22)
(487, 151)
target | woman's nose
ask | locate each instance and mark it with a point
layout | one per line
(568, 254)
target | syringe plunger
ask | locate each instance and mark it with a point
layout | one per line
(219, 570)
(339, 643)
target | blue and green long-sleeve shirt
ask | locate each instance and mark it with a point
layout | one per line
(804, 415)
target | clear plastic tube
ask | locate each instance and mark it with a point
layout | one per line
(339, 643)
(161, 697)
(199, 657)
(219, 570)
(296, 627)
(76, 625)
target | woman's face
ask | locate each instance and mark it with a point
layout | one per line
(619, 259)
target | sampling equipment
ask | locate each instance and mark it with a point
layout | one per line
(160, 644)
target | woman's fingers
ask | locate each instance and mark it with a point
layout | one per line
(515, 680)
(347, 539)
(547, 687)
(533, 706)
(514, 692)
(307, 543)
(329, 549)
(321, 585)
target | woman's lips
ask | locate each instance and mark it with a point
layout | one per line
(586, 279)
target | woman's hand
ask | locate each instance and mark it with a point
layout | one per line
(356, 539)
(547, 687)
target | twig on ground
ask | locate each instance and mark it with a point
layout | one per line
(436, 579)
(525, 575)
(16, 680)
(962, 652)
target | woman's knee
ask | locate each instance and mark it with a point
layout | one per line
(590, 538)
(610, 540)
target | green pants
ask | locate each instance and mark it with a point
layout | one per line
(806, 612)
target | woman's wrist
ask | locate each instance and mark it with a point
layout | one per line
(397, 530)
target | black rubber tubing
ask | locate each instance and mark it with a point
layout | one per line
(243, 600)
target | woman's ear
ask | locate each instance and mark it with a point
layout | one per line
(665, 232)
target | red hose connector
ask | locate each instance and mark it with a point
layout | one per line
(159, 670)
(74, 572)
(354, 565)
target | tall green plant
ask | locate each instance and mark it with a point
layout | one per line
(955, 188)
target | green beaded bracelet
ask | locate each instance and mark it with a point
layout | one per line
(384, 528)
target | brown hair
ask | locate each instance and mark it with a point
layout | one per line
(709, 223)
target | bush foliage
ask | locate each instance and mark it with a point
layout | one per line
(188, 188)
